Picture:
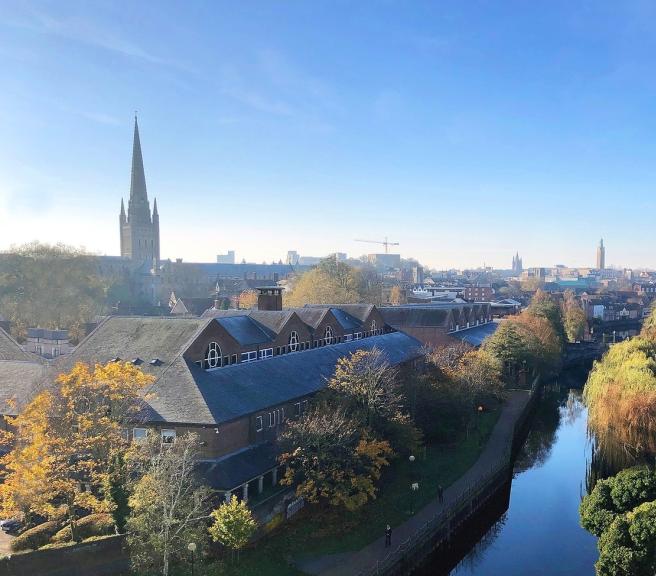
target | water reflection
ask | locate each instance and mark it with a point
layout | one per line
(539, 532)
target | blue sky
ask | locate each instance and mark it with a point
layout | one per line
(463, 130)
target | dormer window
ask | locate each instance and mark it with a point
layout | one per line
(137, 361)
(328, 335)
(373, 327)
(212, 356)
(156, 362)
(293, 341)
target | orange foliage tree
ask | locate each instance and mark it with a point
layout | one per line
(66, 439)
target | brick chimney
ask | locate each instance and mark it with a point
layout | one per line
(269, 298)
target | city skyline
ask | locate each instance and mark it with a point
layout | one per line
(455, 110)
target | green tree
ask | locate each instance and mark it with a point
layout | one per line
(50, 287)
(621, 510)
(168, 506)
(573, 317)
(233, 524)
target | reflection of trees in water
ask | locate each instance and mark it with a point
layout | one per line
(610, 456)
(477, 553)
(542, 433)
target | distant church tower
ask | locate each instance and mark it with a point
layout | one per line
(517, 265)
(139, 230)
(601, 255)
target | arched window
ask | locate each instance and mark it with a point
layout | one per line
(328, 335)
(373, 327)
(213, 356)
(293, 341)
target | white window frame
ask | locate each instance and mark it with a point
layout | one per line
(293, 341)
(266, 353)
(348, 337)
(213, 357)
(259, 424)
(139, 434)
(357, 336)
(249, 356)
(168, 433)
(328, 335)
(297, 409)
(373, 327)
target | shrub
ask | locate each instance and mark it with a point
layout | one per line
(91, 525)
(34, 537)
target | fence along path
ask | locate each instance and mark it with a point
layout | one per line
(435, 521)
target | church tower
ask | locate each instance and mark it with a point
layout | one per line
(139, 230)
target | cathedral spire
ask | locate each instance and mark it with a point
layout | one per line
(155, 213)
(138, 206)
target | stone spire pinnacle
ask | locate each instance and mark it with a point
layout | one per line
(138, 208)
(155, 212)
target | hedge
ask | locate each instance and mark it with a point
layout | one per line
(35, 537)
(92, 525)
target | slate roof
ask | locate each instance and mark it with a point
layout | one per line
(359, 311)
(237, 469)
(477, 334)
(46, 334)
(11, 350)
(131, 337)
(423, 315)
(185, 393)
(311, 316)
(245, 330)
(19, 380)
(346, 321)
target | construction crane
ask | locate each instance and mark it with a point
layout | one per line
(385, 243)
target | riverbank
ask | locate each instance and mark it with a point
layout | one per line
(495, 451)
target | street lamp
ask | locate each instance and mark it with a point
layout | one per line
(192, 548)
(415, 488)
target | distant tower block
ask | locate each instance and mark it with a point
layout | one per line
(601, 255)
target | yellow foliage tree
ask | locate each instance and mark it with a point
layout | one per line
(247, 300)
(65, 440)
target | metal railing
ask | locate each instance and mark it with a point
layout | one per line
(439, 528)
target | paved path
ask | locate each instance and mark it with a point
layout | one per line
(352, 563)
(5, 541)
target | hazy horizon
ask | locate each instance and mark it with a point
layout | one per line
(464, 132)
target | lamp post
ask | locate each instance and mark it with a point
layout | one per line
(414, 486)
(192, 548)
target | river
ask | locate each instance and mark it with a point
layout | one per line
(539, 533)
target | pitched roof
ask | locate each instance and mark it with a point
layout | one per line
(245, 330)
(19, 380)
(185, 393)
(424, 315)
(477, 334)
(11, 350)
(131, 337)
(237, 469)
(311, 316)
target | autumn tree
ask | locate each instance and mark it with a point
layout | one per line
(233, 524)
(168, 505)
(248, 300)
(66, 439)
(330, 458)
(335, 282)
(573, 317)
(368, 388)
(50, 287)
(396, 296)
(621, 396)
